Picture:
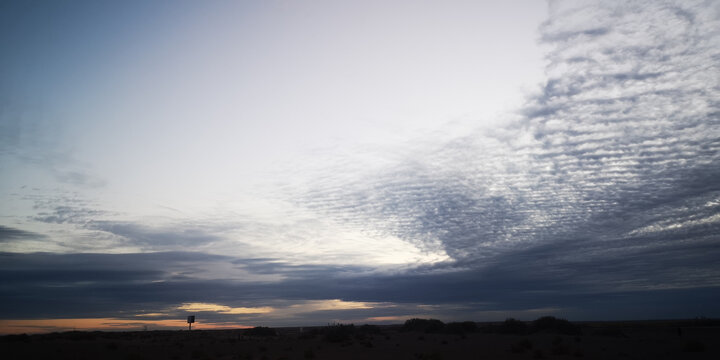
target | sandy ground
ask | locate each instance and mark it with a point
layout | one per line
(598, 341)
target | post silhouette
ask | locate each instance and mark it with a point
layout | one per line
(190, 320)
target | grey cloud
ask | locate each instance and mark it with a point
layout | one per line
(624, 136)
(124, 285)
(12, 234)
(150, 238)
(587, 34)
(68, 213)
(134, 233)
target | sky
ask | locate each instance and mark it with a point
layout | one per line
(297, 163)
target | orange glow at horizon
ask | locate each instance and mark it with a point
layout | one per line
(37, 326)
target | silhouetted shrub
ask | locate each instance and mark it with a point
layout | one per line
(610, 332)
(429, 356)
(338, 332)
(309, 354)
(461, 327)
(260, 331)
(369, 329)
(703, 321)
(79, 335)
(425, 325)
(555, 325)
(558, 348)
(310, 334)
(197, 354)
(16, 338)
(512, 326)
(694, 346)
(521, 346)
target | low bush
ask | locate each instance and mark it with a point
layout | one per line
(369, 329)
(424, 325)
(555, 325)
(694, 346)
(610, 332)
(512, 326)
(338, 332)
(521, 346)
(260, 331)
(309, 354)
(461, 327)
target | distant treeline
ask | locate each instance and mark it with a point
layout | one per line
(345, 332)
(509, 326)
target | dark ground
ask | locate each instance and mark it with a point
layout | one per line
(595, 340)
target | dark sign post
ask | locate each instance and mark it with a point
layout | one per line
(191, 320)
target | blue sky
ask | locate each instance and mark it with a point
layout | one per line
(298, 163)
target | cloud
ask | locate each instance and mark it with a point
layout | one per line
(222, 309)
(293, 235)
(169, 285)
(129, 234)
(598, 199)
(8, 234)
(613, 161)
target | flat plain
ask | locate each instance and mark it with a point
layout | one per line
(594, 340)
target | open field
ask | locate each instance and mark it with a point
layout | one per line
(595, 340)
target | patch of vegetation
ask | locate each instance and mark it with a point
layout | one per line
(309, 334)
(555, 325)
(338, 332)
(429, 356)
(260, 331)
(521, 346)
(134, 356)
(16, 338)
(423, 325)
(610, 332)
(198, 354)
(694, 346)
(309, 354)
(461, 328)
(369, 329)
(558, 347)
(703, 321)
(246, 356)
(512, 326)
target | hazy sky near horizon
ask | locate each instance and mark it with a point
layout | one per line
(303, 162)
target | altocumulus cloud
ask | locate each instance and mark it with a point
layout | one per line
(606, 182)
(599, 199)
